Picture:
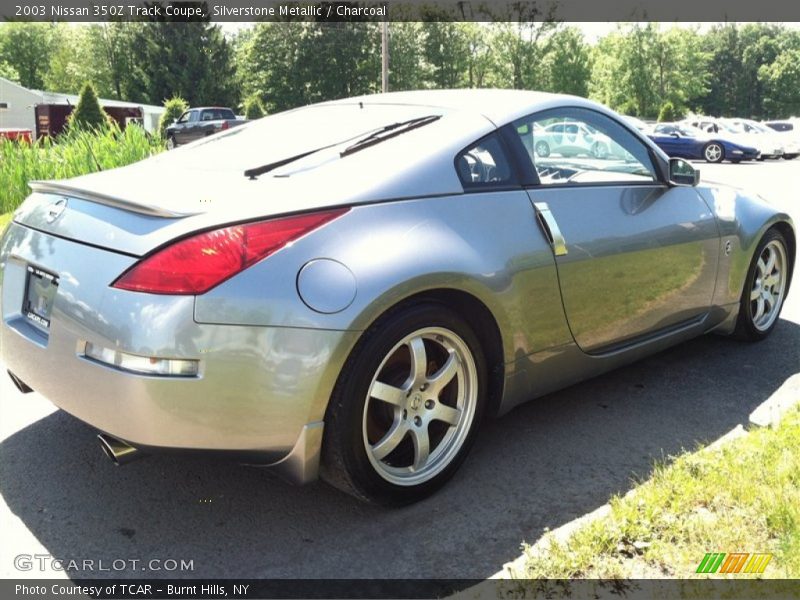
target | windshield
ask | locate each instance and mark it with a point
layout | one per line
(730, 127)
(289, 134)
(690, 131)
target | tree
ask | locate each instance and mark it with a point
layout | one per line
(568, 64)
(88, 114)
(253, 109)
(445, 47)
(191, 59)
(8, 72)
(174, 108)
(781, 85)
(26, 47)
(405, 64)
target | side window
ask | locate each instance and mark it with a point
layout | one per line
(485, 165)
(194, 116)
(595, 149)
(185, 117)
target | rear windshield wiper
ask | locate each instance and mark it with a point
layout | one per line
(384, 133)
(388, 132)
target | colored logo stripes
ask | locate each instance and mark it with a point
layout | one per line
(736, 562)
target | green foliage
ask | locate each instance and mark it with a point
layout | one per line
(193, 60)
(639, 67)
(741, 496)
(26, 47)
(669, 113)
(76, 152)
(253, 109)
(8, 72)
(88, 114)
(174, 108)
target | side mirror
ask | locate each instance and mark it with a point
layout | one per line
(682, 173)
(675, 135)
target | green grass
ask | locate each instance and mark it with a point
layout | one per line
(5, 219)
(741, 497)
(69, 155)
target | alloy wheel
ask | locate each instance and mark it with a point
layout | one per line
(420, 406)
(769, 285)
(713, 153)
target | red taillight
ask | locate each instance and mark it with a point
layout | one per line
(225, 125)
(196, 264)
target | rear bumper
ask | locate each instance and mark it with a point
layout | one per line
(259, 396)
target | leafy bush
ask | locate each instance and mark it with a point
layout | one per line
(76, 152)
(669, 112)
(175, 107)
(253, 108)
(88, 114)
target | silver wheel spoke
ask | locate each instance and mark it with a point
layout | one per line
(391, 440)
(419, 360)
(422, 447)
(773, 279)
(756, 293)
(759, 309)
(448, 414)
(445, 375)
(770, 262)
(769, 302)
(762, 268)
(388, 393)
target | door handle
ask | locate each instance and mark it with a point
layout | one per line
(551, 229)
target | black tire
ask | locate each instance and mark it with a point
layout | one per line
(746, 328)
(790, 156)
(171, 144)
(345, 462)
(717, 157)
(542, 149)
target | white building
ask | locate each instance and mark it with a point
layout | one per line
(18, 106)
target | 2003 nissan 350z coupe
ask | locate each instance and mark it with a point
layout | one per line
(348, 288)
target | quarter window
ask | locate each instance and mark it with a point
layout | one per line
(485, 165)
(581, 146)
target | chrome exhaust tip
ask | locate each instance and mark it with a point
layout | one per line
(118, 451)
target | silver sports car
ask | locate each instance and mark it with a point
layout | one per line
(347, 289)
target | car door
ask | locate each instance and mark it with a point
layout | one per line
(194, 130)
(181, 125)
(635, 257)
(667, 139)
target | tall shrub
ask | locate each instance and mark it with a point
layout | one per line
(253, 109)
(174, 108)
(88, 114)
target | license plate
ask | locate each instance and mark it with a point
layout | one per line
(40, 292)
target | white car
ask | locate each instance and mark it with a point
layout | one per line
(789, 132)
(569, 138)
(734, 133)
(773, 142)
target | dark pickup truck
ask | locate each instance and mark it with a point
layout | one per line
(197, 123)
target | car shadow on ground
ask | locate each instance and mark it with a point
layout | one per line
(542, 465)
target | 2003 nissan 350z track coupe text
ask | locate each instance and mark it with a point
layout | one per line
(347, 289)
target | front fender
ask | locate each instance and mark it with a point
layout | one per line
(743, 219)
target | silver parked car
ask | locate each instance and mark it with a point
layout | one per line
(349, 288)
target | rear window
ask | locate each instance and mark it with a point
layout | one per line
(217, 114)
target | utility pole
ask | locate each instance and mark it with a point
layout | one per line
(384, 56)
